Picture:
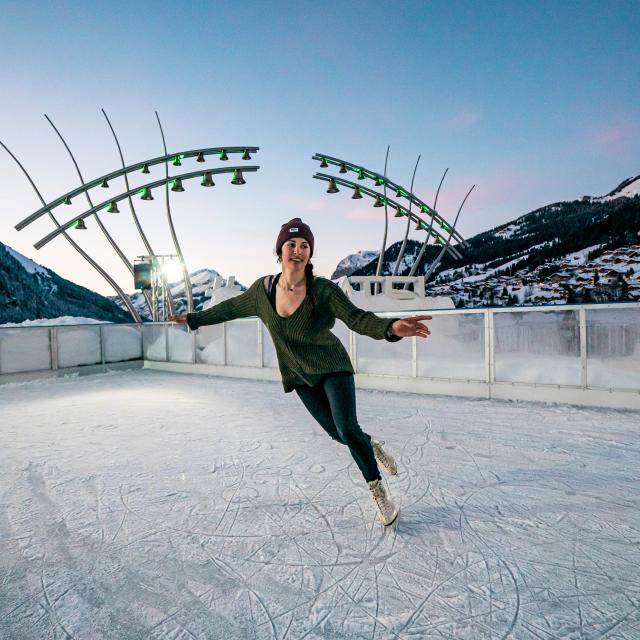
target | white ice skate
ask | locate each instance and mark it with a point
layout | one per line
(385, 460)
(387, 512)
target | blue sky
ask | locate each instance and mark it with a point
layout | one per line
(531, 102)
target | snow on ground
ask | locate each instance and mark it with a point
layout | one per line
(154, 505)
(62, 320)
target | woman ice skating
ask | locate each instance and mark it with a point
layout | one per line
(299, 309)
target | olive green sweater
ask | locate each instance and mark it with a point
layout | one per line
(306, 349)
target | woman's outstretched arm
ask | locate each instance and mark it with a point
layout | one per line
(240, 306)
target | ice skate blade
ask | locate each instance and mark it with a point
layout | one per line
(395, 519)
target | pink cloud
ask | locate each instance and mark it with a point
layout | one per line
(614, 138)
(464, 119)
(304, 204)
(366, 213)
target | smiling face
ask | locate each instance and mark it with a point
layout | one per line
(295, 254)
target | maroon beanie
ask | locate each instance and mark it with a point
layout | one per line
(295, 228)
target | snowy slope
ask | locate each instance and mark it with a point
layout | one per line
(353, 262)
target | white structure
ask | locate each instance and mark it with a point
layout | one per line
(217, 293)
(388, 293)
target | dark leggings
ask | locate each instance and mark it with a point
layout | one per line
(332, 403)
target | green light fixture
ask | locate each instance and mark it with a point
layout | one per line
(145, 168)
(223, 155)
(105, 184)
(67, 200)
(246, 155)
(323, 163)
(146, 194)
(343, 168)
(207, 180)
(424, 208)
(80, 225)
(379, 181)
(378, 202)
(177, 185)
(176, 162)
(237, 177)
(361, 174)
(399, 213)
(332, 188)
(356, 194)
(399, 193)
(200, 157)
(113, 208)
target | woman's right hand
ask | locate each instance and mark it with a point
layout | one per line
(180, 318)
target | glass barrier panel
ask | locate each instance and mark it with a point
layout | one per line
(269, 358)
(122, 342)
(78, 346)
(455, 348)
(537, 347)
(242, 343)
(180, 344)
(24, 349)
(154, 342)
(341, 331)
(613, 348)
(382, 357)
(210, 344)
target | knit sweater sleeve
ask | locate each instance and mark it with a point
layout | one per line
(241, 306)
(358, 320)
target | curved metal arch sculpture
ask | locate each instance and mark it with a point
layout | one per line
(124, 172)
(138, 166)
(379, 180)
(400, 210)
(382, 200)
(145, 188)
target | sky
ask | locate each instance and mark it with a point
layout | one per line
(530, 102)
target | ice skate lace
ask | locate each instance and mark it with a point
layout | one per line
(382, 456)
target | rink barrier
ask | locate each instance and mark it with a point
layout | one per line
(577, 354)
(29, 353)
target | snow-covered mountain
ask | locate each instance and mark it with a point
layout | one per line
(201, 280)
(585, 250)
(29, 291)
(353, 262)
(628, 188)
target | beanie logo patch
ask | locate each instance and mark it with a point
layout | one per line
(293, 229)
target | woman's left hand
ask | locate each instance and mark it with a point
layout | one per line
(408, 327)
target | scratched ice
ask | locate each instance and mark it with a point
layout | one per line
(165, 506)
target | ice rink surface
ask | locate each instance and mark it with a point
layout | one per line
(165, 506)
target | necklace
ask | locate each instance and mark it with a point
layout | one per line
(288, 286)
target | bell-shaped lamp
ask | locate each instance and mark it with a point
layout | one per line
(113, 208)
(177, 185)
(207, 180)
(237, 177)
(332, 188)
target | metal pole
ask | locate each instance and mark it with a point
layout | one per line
(185, 271)
(406, 233)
